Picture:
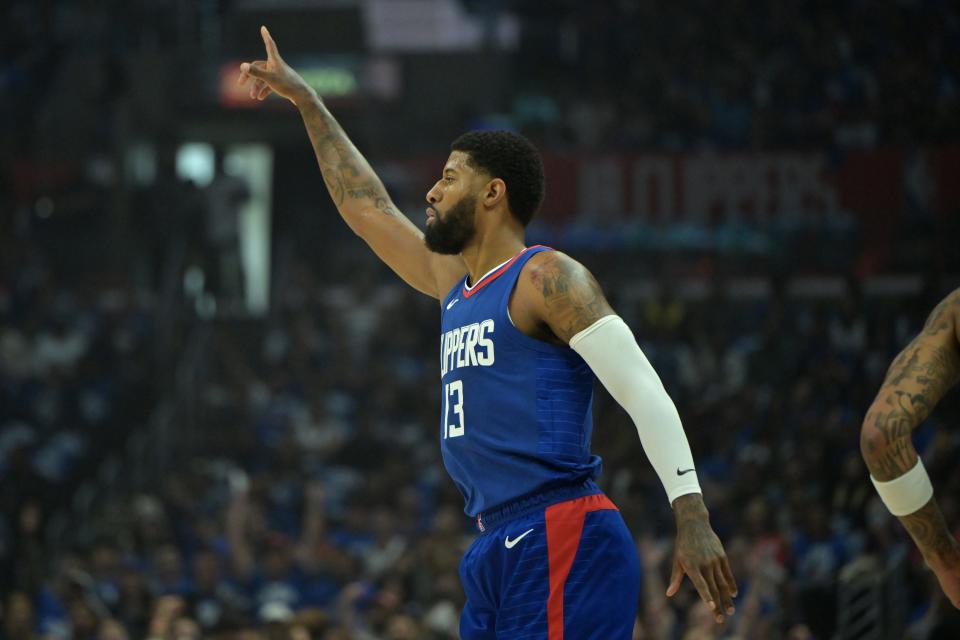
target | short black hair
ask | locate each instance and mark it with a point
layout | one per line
(512, 158)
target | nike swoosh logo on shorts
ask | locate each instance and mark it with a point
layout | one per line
(510, 544)
(680, 473)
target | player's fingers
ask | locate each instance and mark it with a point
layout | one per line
(264, 92)
(713, 593)
(724, 591)
(700, 584)
(244, 76)
(676, 576)
(272, 52)
(256, 69)
(256, 87)
(728, 576)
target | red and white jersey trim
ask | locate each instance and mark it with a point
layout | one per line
(492, 275)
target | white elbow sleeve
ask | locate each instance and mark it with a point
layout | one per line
(609, 348)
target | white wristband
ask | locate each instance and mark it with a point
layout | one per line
(906, 494)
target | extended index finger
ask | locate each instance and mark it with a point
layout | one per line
(272, 53)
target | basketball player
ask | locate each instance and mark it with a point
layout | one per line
(524, 330)
(915, 382)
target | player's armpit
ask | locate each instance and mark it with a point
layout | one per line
(566, 296)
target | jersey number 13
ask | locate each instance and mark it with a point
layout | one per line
(454, 390)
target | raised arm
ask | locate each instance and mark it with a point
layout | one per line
(915, 382)
(566, 298)
(355, 188)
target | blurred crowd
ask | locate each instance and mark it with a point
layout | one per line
(609, 74)
(76, 376)
(621, 74)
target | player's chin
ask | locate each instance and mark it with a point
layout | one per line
(442, 249)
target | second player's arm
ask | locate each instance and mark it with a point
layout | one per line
(915, 382)
(355, 188)
(567, 298)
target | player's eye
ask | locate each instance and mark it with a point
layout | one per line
(448, 179)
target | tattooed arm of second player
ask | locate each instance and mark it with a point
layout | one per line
(919, 376)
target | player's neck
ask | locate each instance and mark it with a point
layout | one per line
(489, 252)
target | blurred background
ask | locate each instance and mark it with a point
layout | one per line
(218, 409)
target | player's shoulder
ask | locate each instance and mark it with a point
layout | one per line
(550, 277)
(552, 272)
(561, 293)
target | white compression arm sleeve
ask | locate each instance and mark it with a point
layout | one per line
(611, 351)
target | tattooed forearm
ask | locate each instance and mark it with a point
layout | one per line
(929, 530)
(941, 316)
(352, 183)
(571, 295)
(386, 207)
(916, 381)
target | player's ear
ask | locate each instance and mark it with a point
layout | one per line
(494, 192)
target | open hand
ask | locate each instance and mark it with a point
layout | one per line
(699, 554)
(274, 75)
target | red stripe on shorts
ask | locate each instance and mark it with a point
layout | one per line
(564, 527)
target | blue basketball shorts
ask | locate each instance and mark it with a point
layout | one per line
(569, 570)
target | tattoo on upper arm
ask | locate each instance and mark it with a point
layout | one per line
(916, 380)
(571, 294)
(935, 368)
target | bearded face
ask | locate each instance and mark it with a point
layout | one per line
(450, 233)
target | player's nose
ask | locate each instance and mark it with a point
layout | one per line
(433, 196)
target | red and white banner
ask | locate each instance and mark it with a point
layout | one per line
(875, 186)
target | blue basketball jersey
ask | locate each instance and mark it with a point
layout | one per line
(516, 412)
